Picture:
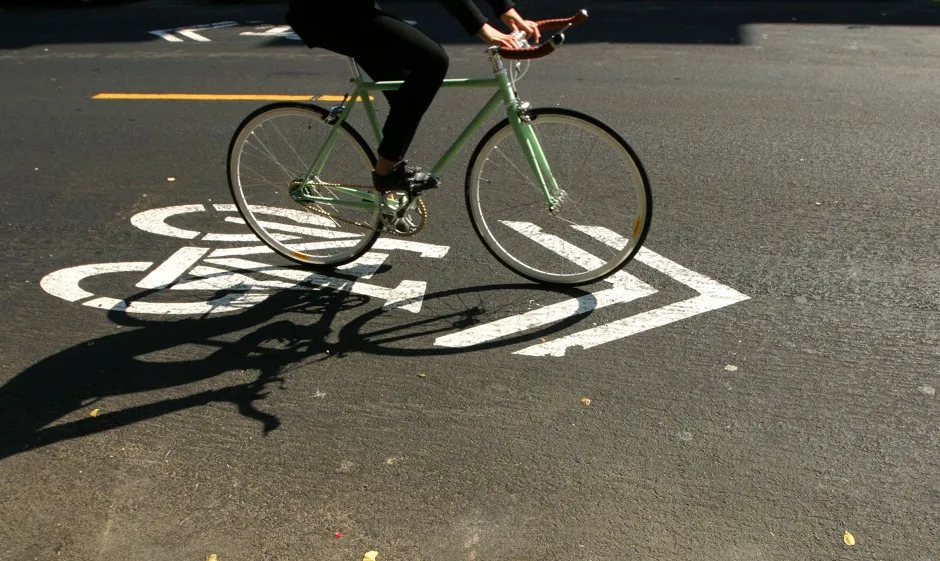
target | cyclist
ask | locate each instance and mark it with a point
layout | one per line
(387, 48)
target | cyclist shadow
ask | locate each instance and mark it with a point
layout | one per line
(37, 406)
(40, 405)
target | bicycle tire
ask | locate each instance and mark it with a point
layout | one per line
(617, 239)
(340, 247)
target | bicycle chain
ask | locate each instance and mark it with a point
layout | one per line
(384, 228)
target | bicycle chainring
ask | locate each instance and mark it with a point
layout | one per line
(407, 223)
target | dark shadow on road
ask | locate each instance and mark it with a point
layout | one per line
(612, 21)
(290, 331)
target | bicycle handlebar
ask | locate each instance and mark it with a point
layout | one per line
(548, 47)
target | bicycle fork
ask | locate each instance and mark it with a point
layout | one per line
(521, 123)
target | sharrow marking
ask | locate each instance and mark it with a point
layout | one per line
(713, 296)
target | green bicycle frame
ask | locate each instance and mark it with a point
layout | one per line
(504, 95)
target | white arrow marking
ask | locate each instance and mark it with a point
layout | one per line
(173, 268)
(626, 289)
(712, 296)
(166, 35)
(542, 316)
(408, 295)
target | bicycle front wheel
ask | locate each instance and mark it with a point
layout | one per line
(596, 212)
(271, 153)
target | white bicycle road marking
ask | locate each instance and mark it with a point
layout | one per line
(247, 282)
(283, 31)
(190, 31)
(198, 268)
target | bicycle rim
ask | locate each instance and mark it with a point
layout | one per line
(603, 199)
(272, 151)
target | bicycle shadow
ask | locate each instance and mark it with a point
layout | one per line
(288, 330)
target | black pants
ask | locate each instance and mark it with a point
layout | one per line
(387, 48)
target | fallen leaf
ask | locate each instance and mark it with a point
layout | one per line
(370, 556)
(212, 557)
(848, 538)
(586, 401)
(95, 412)
(422, 375)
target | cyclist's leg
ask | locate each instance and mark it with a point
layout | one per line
(387, 48)
(402, 52)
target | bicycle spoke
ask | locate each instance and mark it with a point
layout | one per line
(599, 185)
(271, 152)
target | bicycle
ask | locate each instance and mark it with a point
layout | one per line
(522, 174)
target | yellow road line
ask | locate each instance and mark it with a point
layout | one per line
(218, 97)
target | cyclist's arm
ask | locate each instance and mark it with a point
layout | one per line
(470, 16)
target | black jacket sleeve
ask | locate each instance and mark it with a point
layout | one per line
(470, 16)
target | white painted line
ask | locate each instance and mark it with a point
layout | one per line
(64, 283)
(211, 278)
(221, 24)
(364, 267)
(221, 279)
(173, 268)
(316, 232)
(273, 31)
(154, 221)
(244, 237)
(557, 245)
(192, 35)
(283, 32)
(433, 251)
(408, 295)
(234, 302)
(299, 216)
(189, 31)
(576, 255)
(262, 249)
(166, 35)
(240, 251)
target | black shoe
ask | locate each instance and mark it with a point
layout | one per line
(404, 177)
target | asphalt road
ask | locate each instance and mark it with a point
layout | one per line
(793, 152)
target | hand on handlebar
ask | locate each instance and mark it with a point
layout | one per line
(517, 23)
(493, 36)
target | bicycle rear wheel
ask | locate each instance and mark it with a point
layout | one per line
(603, 200)
(270, 154)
